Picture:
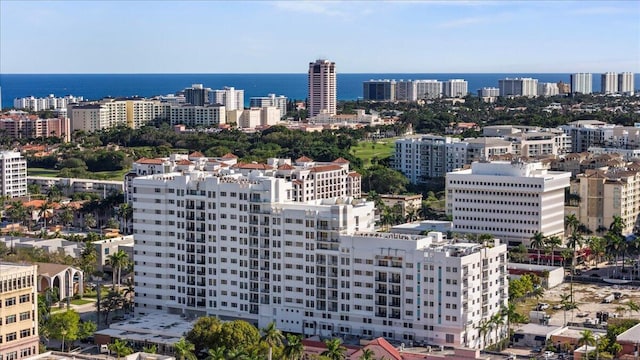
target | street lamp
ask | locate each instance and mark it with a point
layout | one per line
(64, 333)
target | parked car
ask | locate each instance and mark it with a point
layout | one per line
(543, 306)
(557, 307)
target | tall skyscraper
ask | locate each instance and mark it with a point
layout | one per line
(428, 89)
(581, 83)
(13, 174)
(625, 83)
(455, 88)
(379, 90)
(197, 95)
(322, 87)
(518, 87)
(609, 83)
(231, 98)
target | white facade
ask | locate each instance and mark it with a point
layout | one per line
(428, 156)
(455, 88)
(322, 95)
(428, 89)
(279, 102)
(548, 89)
(46, 103)
(509, 200)
(489, 92)
(406, 90)
(609, 83)
(13, 172)
(240, 247)
(581, 83)
(231, 98)
(626, 83)
(518, 87)
(190, 115)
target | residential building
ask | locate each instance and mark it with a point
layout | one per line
(252, 118)
(428, 89)
(379, 90)
(581, 83)
(626, 83)
(239, 246)
(18, 311)
(509, 200)
(110, 246)
(488, 92)
(47, 103)
(229, 97)
(108, 112)
(428, 156)
(406, 90)
(409, 204)
(564, 88)
(587, 133)
(24, 126)
(518, 87)
(535, 143)
(198, 116)
(13, 174)
(322, 95)
(609, 83)
(279, 102)
(197, 95)
(70, 186)
(610, 192)
(455, 88)
(485, 148)
(548, 89)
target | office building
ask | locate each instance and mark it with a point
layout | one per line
(428, 89)
(509, 200)
(518, 87)
(13, 172)
(279, 102)
(47, 103)
(18, 311)
(406, 90)
(581, 83)
(379, 90)
(609, 83)
(322, 94)
(548, 89)
(229, 97)
(455, 88)
(626, 83)
(197, 95)
(240, 247)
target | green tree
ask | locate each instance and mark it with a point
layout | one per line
(586, 338)
(125, 212)
(120, 348)
(293, 349)
(89, 221)
(110, 303)
(65, 216)
(45, 211)
(216, 354)
(335, 349)
(150, 349)
(86, 329)
(184, 350)
(498, 320)
(118, 260)
(64, 326)
(272, 337)
(367, 354)
(484, 327)
(538, 242)
(553, 242)
(204, 333)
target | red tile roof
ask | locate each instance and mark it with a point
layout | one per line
(285, 167)
(325, 168)
(229, 156)
(150, 161)
(354, 174)
(303, 159)
(196, 154)
(253, 166)
(184, 162)
(381, 349)
(341, 160)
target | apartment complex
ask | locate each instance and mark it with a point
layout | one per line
(24, 126)
(609, 83)
(379, 90)
(626, 83)
(231, 98)
(518, 87)
(322, 95)
(13, 174)
(47, 103)
(581, 83)
(548, 89)
(197, 95)
(428, 156)
(241, 246)
(605, 193)
(509, 200)
(413, 90)
(271, 100)
(455, 88)
(18, 311)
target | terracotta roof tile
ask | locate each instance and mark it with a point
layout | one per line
(196, 154)
(147, 161)
(285, 167)
(303, 159)
(184, 162)
(253, 166)
(354, 174)
(229, 156)
(324, 168)
(341, 160)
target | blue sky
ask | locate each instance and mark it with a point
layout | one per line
(283, 36)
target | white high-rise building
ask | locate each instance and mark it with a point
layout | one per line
(406, 90)
(428, 89)
(428, 156)
(489, 92)
(240, 247)
(47, 103)
(13, 174)
(279, 102)
(609, 83)
(455, 88)
(509, 200)
(548, 89)
(581, 83)
(322, 96)
(231, 98)
(626, 83)
(518, 87)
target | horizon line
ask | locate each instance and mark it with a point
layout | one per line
(304, 73)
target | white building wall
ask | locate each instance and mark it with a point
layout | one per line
(13, 172)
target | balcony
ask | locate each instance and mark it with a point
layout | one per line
(382, 290)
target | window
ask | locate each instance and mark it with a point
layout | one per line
(10, 301)
(10, 319)
(25, 298)
(11, 336)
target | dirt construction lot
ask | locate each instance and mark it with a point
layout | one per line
(589, 299)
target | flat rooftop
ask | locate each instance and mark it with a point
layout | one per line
(158, 328)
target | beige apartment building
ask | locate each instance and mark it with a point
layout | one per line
(18, 311)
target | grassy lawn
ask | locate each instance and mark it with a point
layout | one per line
(41, 172)
(367, 150)
(111, 175)
(81, 301)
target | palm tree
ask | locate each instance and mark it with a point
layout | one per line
(216, 354)
(483, 328)
(120, 348)
(65, 217)
(272, 337)
(118, 260)
(184, 350)
(553, 242)
(537, 242)
(588, 339)
(575, 240)
(511, 314)
(615, 236)
(565, 300)
(335, 350)
(632, 306)
(294, 349)
(125, 212)
(150, 349)
(497, 321)
(89, 221)
(367, 354)
(571, 223)
(43, 211)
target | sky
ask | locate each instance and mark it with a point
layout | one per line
(284, 36)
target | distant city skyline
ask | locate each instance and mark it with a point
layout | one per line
(284, 36)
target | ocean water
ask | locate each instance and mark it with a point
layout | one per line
(293, 86)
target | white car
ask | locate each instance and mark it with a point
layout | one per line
(543, 306)
(548, 354)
